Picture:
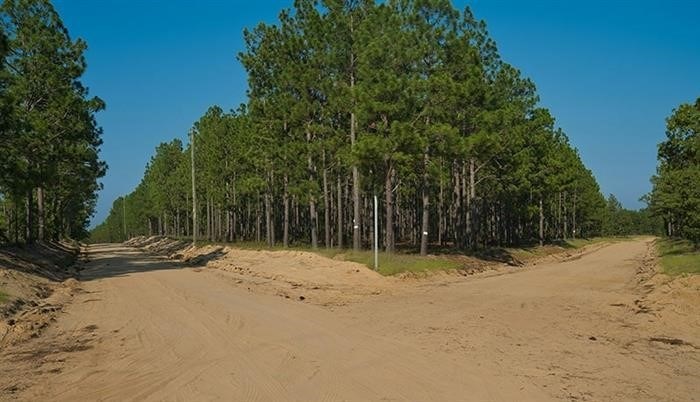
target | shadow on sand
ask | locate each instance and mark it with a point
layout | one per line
(52, 261)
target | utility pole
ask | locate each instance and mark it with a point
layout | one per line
(124, 217)
(194, 191)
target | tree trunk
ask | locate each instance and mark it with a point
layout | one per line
(389, 200)
(573, 218)
(40, 213)
(234, 221)
(424, 224)
(559, 219)
(442, 221)
(268, 222)
(285, 201)
(456, 207)
(426, 209)
(295, 204)
(356, 240)
(566, 219)
(471, 205)
(257, 221)
(194, 191)
(28, 237)
(541, 222)
(187, 215)
(229, 227)
(209, 218)
(220, 224)
(313, 217)
(466, 205)
(340, 215)
(326, 209)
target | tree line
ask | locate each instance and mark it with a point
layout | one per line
(675, 197)
(408, 100)
(619, 221)
(49, 139)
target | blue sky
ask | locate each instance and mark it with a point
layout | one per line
(610, 72)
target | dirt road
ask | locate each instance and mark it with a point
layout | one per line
(150, 329)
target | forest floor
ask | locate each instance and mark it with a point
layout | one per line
(601, 324)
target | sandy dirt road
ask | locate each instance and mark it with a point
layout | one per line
(146, 328)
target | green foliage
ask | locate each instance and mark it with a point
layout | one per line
(679, 256)
(49, 138)
(619, 221)
(675, 197)
(413, 97)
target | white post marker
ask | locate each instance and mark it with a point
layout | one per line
(376, 236)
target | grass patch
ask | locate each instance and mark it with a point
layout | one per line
(678, 257)
(392, 264)
(389, 264)
(405, 260)
(4, 297)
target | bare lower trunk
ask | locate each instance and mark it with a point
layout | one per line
(28, 237)
(40, 212)
(268, 222)
(187, 216)
(471, 205)
(209, 218)
(285, 201)
(389, 200)
(560, 235)
(234, 221)
(426, 209)
(314, 234)
(340, 214)
(326, 211)
(424, 223)
(442, 221)
(257, 222)
(566, 219)
(573, 219)
(356, 239)
(541, 222)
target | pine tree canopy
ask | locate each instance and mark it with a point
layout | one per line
(49, 138)
(408, 100)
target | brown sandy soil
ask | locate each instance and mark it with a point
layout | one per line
(602, 327)
(37, 281)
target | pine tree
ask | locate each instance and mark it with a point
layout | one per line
(51, 150)
(408, 99)
(675, 197)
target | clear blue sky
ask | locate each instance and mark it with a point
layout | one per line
(609, 71)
